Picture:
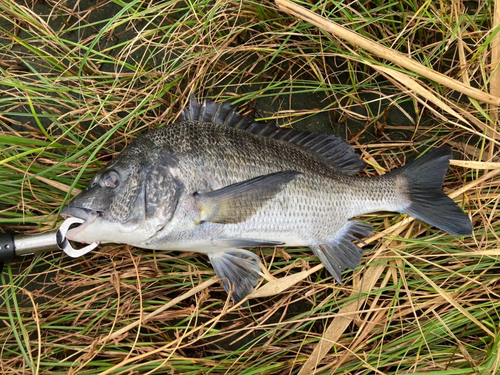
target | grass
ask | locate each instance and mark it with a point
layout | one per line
(78, 82)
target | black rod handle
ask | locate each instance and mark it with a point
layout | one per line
(12, 245)
(7, 247)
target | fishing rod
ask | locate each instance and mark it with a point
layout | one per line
(18, 244)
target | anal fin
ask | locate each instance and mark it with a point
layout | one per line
(238, 269)
(341, 253)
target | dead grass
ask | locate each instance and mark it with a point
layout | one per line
(79, 82)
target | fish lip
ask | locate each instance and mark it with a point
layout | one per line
(87, 215)
(78, 212)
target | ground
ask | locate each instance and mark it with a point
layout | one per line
(81, 79)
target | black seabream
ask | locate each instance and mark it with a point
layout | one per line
(217, 182)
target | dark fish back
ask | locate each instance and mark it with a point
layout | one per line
(210, 143)
(331, 148)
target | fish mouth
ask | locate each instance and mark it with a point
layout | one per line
(78, 212)
(87, 215)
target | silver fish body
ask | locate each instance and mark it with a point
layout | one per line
(217, 182)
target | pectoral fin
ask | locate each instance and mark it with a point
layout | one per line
(238, 270)
(340, 253)
(238, 202)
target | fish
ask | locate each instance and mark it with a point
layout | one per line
(218, 182)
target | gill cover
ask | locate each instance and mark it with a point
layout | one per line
(162, 191)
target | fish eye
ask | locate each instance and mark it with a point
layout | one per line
(110, 179)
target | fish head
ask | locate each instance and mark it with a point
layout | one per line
(127, 201)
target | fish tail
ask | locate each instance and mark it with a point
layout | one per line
(428, 202)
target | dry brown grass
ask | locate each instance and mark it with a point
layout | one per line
(79, 82)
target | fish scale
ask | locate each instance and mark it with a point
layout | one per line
(217, 182)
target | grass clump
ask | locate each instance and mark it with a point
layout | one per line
(78, 82)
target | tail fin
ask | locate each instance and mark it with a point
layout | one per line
(425, 177)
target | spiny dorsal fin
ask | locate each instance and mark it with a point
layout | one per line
(332, 148)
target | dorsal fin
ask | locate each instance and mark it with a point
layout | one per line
(332, 148)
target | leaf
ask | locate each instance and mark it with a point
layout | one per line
(277, 286)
